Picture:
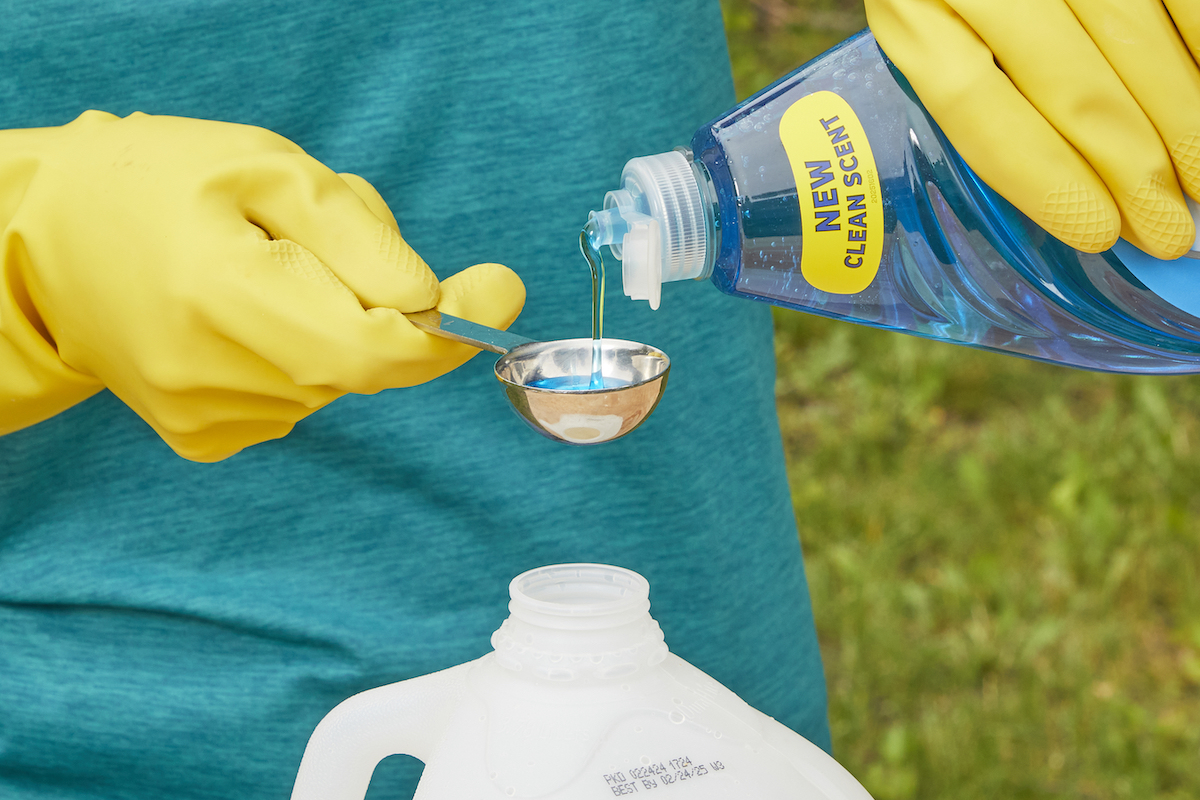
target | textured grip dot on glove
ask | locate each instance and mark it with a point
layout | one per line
(1160, 219)
(300, 262)
(1076, 215)
(1186, 155)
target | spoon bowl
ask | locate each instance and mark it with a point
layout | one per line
(550, 384)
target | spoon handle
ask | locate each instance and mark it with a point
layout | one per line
(465, 331)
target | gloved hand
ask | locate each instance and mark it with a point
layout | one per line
(216, 278)
(1084, 114)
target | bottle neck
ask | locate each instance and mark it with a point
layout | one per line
(708, 202)
(579, 621)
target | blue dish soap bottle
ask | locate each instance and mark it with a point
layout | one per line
(834, 192)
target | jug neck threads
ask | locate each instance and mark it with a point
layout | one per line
(574, 621)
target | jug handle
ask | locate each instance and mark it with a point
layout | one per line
(405, 718)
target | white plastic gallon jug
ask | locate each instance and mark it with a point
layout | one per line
(580, 699)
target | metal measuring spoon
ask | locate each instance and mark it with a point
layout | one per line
(573, 413)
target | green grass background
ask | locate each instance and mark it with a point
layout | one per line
(1004, 556)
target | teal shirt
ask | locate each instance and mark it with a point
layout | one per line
(173, 629)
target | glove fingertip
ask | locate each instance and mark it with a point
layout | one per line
(1158, 220)
(418, 289)
(490, 294)
(1081, 217)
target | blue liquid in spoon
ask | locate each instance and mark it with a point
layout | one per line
(577, 383)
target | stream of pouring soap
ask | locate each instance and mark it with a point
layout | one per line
(596, 380)
(596, 265)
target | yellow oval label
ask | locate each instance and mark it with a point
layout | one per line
(841, 208)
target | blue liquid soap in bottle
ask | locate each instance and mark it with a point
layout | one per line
(889, 228)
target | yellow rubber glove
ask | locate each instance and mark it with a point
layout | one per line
(1084, 114)
(216, 278)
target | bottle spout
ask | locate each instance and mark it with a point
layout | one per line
(635, 240)
(607, 227)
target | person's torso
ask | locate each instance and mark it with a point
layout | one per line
(205, 616)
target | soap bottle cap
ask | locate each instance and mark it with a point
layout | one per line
(655, 224)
